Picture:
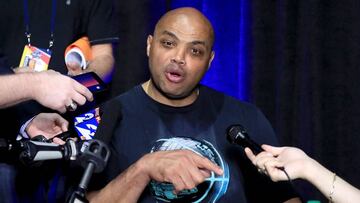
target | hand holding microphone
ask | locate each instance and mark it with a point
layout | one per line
(293, 159)
(47, 125)
(236, 134)
(279, 162)
(266, 162)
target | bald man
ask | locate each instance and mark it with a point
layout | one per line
(170, 144)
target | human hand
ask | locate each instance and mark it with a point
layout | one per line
(57, 91)
(273, 159)
(74, 68)
(48, 125)
(183, 168)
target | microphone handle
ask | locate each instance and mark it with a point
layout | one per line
(33, 151)
(40, 151)
(89, 170)
(255, 147)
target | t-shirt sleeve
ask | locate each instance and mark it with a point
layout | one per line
(264, 130)
(100, 18)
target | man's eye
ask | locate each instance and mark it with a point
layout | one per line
(196, 51)
(167, 43)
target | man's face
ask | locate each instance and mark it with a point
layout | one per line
(179, 55)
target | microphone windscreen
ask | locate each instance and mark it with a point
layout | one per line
(234, 131)
(237, 134)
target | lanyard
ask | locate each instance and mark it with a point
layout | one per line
(27, 23)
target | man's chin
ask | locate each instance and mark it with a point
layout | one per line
(172, 93)
(176, 96)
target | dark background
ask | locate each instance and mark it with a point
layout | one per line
(298, 61)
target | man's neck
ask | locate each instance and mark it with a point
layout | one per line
(156, 95)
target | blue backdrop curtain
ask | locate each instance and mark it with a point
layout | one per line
(229, 70)
(299, 61)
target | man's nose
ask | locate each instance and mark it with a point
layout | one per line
(179, 57)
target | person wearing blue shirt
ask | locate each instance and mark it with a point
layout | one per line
(170, 145)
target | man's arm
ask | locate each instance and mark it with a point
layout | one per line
(13, 90)
(127, 187)
(183, 168)
(49, 88)
(103, 60)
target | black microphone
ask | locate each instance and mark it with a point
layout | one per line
(237, 134)
(31, 151)
(94, 155)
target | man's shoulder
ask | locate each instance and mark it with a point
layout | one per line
(130, 96)
(228, 101)
(129, 93)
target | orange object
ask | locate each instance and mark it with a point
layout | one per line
(80, 50)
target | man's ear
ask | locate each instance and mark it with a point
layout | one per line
(211, 58)
(148, 44)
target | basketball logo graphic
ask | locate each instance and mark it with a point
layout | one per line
(210, 190)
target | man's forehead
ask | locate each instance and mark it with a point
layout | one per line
(186, 22)
(183, 29)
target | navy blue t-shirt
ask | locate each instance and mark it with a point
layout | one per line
(147, 125)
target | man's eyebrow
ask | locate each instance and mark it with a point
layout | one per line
(198, 42)
(170, 34)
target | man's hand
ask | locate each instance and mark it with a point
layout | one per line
(48, 125)
(183, 168)
(57, 91)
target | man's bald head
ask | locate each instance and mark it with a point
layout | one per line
(187, 17)
(180, 52)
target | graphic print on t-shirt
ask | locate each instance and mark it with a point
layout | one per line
(210, 190)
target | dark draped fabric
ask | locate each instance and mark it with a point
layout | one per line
(130, 55)
(306, 71)
(298, 61)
